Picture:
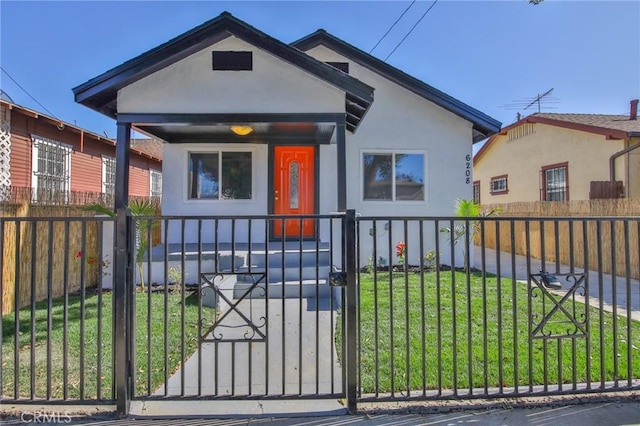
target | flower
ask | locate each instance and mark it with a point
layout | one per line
(401, 249)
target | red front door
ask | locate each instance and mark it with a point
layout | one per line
(294, 189)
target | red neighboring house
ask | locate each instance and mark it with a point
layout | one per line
(50, 161)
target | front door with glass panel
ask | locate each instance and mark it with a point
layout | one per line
(294, 190)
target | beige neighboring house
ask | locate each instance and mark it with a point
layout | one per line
(561, 157)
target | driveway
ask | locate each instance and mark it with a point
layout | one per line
(614, 291)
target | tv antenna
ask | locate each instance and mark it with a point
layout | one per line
(541, 100)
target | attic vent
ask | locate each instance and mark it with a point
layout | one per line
(342, 66)
(520, 131)
(232, 61)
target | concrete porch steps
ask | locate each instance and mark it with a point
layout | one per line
(290, 269)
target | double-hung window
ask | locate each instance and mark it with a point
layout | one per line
(222, 175)
(51, 170)
(555, 182)
(393, 176)
(108, 175)
(155, 184)
(476, 191)
(499, 185)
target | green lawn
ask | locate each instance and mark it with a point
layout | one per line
(81, 379)
(484, 311)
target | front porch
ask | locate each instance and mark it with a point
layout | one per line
(248, 261)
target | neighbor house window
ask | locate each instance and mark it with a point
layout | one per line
(108, 175)
(476, 191)
(220, 175)
(51, 170)
(155, 184)
(393, 176)
(555, 182)
(499, 185)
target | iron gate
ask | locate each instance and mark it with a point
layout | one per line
(230, 314)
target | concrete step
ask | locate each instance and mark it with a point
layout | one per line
(291, 258)
(277, 274)
(287, 290)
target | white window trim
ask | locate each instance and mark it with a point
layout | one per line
(212, 150)
(151, 174)
(35, 141)
(502, 178)
(393, 200)
(105, 160)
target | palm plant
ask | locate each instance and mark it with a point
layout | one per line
(466, 209)
(143, 208)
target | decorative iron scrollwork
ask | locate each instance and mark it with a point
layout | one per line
(554, 312)
(254, 329)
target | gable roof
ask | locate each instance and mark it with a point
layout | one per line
(609, 126)
(100, 93)
(483, 125)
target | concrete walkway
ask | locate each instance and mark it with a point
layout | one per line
(289, 350)
(615, 290)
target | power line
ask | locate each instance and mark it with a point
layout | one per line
(391, 27)
(25, 91)
(412, 28)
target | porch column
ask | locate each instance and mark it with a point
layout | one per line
(342, 165)
(122, 273)
(122, 166)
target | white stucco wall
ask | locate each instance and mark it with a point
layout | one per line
(191, 86)
(175, 200)
(398, 121)
(401, 121)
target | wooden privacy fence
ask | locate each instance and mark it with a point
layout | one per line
(16, 196)
(607, 242)
(44, 250)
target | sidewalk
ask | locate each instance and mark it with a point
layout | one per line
(613, 287)
(603, 413)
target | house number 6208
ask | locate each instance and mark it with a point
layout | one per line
(467, 172)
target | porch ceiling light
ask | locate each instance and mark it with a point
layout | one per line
(241, 130)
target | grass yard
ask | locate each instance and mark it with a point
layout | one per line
(446, 328)
(88, 370)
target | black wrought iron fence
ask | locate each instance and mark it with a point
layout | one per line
(57, 319)
(441, 315)
(421, 308)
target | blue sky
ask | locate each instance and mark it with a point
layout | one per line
(485, 53)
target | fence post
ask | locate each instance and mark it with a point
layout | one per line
(351, 307)
(122, 294)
